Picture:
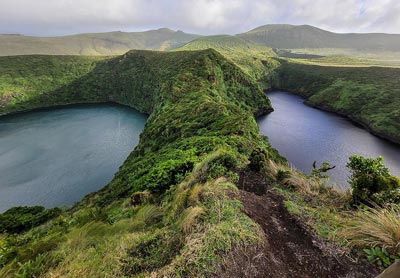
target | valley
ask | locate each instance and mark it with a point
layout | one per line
(185, 201)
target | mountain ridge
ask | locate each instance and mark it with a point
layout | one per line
(106, 43)
(280, 36)
(307, 36)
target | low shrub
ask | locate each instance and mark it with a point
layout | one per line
(371, 181)
(19, 219)
(258, 159)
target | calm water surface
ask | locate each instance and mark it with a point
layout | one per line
(303, 134)
(55, 157)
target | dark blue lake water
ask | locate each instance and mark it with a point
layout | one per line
(303, 134)
(55, 157)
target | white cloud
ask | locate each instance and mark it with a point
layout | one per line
(53, 17)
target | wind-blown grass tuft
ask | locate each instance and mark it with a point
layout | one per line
(374, 227)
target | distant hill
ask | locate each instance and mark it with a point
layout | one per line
(278, 36)
(304, 36)
(252, 58)
(111, 43)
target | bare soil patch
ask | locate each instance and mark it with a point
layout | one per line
(291, 248)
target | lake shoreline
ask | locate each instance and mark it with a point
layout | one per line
(304, 134)
(54, 157)
(68, 106)
(329, 109)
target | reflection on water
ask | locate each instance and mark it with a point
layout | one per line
(55, 157)
(303, 134)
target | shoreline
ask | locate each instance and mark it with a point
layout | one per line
(67, 106)
(328, 109)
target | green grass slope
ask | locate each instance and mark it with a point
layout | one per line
(253, 59)
(185, 217)
(24, 78)
(368, 95)
(304, 36)
(112, 43)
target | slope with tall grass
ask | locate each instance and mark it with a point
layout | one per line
(201, 125)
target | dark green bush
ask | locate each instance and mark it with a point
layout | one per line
(19, 219)
(257, 158)
(372, 182)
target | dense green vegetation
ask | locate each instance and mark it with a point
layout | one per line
(111, 43)
(18, 219)
(371, 182)
(24, 78)
(171, 209)
(201, 126)
(368, 95)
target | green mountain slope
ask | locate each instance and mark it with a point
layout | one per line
(112, 43)
(253, 59)
(305, 36)
(172, 209)
(201, 125)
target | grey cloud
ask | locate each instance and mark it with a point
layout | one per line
(59, 17)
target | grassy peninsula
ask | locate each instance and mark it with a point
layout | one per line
(201, 126)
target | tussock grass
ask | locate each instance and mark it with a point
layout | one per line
(195, 195)
(327, 211)
(223, 226)
(287, 177)
(149, 214)
(373, 227)
(190, 217)
(314, 199)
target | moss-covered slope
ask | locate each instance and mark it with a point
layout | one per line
(367, 95)
(201, 126)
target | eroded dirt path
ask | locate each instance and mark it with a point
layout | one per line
(291, 248)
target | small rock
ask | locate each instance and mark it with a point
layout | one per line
(392, 271)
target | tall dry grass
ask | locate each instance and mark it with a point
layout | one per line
(373, 227)
(289, 177)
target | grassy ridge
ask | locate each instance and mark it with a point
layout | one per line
(25, 78)
(285, 36)
(253, 59)
(111, 43)
(201, 125)
(368, 95)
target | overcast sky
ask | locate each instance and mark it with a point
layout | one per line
(61, 17)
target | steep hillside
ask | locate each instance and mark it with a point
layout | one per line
(305, 36)
(170, 210)
(174, 208)
(112, 43)
(253, 59)
(368, 95)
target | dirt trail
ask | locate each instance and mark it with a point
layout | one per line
(291, 248)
